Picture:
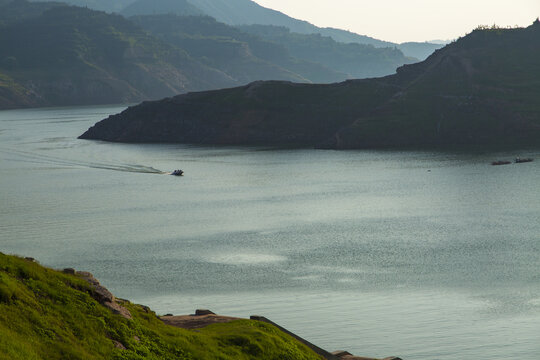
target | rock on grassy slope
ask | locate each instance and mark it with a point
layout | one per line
(48, 314)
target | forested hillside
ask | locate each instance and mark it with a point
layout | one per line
(70, 55)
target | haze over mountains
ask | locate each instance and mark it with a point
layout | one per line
(356, 60)
(53, 55)
(247, 12)
(481, 90)
(244, 57)
(249, 54)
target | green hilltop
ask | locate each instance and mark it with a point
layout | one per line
(480, 90)
(47, 314)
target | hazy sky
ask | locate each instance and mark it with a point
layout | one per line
(409, 20)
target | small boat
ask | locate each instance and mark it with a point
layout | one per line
(501, 162)
(177, 173)
(520, 160)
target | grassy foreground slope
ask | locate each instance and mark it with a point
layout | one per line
(47, 314)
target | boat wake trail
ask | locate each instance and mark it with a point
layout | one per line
(28, 156)
(127, 168)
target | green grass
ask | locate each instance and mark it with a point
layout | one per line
(46, 314)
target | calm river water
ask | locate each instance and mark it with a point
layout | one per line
(425, 255)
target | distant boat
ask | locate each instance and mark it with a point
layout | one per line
(519, 160)
(177, 173)
(501, 162)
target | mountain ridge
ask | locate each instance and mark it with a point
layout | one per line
(143, 7)
(247, 12)
(358, 61)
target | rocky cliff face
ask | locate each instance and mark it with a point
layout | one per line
(480, 90)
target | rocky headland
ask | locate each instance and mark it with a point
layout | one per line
(482, 90)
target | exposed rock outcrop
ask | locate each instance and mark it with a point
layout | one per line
(201, 312)
(102, 294)
(192, 322)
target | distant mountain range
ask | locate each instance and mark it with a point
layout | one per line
(248, 54)
(481, 90)
(242, 56)
(358, 61)
(56, 55)
(247, 12)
